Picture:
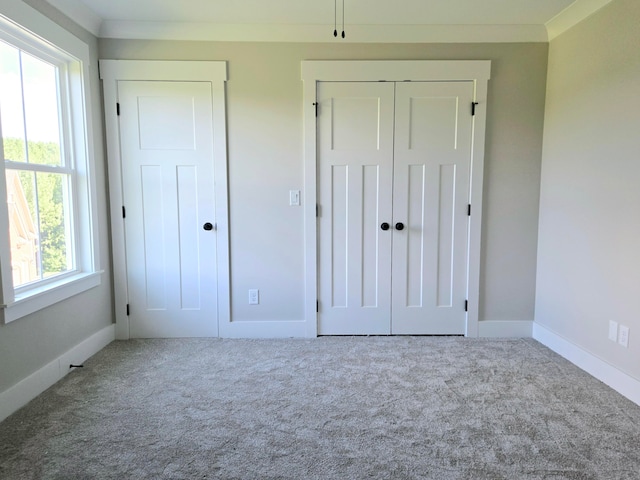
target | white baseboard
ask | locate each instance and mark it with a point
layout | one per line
(621, 382)
(505, 328)
(29, 388)
(264, 329)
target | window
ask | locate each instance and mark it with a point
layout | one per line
(49, 252)
(37, 168)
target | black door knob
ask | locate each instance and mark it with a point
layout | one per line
(384, 226)
(208, 226)
(399, 226)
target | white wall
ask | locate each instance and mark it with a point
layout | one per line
(30, 343)
(264, 98)
(588, 256)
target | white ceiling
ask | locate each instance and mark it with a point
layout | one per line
(313, 20)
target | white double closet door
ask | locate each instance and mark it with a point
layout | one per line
(394, 155)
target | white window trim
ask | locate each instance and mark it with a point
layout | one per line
(29, 25)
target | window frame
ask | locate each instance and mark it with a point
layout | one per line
(30, 31)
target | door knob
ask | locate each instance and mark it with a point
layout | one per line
(384, 226)
(399, 226)
(208, 226)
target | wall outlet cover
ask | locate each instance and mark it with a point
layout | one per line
(623, 336)
(254, 296)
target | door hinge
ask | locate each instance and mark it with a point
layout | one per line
(317, 306)
(315, 104)
(317, 210)
(466, 305)
(127, 309)
(118, 109)
(473, 108)
(124, 212)
(469, 210)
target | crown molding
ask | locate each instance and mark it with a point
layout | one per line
(79, 13)
(323, 33)
(572, 15)
(91, 21)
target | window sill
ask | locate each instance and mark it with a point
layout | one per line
(40, 298)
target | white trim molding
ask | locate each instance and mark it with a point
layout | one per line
(572, 15)
(505, 328)
(219, 32)
(79, 13)
(322, 33)
(29, 388)
(33, 32)
(624, 384)
(478, 71)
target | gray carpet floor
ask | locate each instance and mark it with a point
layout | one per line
(326, 408)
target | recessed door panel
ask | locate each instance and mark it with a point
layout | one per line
(446, 236)
(370, 252)
(416, 190)
(355, 123)
(153, 235)
(188, 196)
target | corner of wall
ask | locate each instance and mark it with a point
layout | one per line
(29, 388)
(624, 384)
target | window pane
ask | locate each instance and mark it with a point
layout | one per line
(40, 88)
(23, 232)
(54, 228)
(11, 113)
(38, 225)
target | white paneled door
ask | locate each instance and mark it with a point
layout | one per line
(166, 135)
(394, 173)
(355, 143)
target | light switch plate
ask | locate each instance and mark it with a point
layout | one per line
(294, 198)
(623, 336)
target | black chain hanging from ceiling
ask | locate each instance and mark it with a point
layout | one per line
(335, 18)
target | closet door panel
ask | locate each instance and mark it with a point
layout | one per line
(432, 159)
(355, 168)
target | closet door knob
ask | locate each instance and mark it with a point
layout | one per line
(399, 226)
(384, 226)
(208, 226)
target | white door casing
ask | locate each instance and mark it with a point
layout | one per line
(476, 72)
(209, 79)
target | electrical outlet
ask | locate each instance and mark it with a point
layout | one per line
(613, 331)
(254, 296)
(623, 336)
(294, 198)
